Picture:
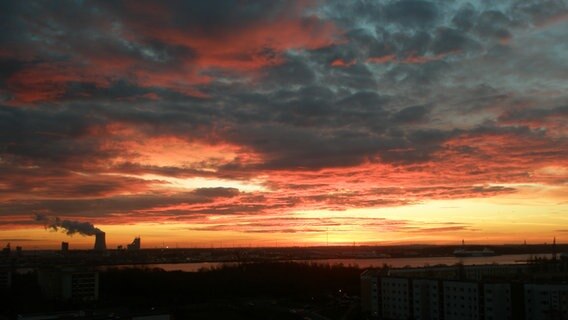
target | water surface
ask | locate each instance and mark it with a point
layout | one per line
(360, 263)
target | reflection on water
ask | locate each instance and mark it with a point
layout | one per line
(361, 263)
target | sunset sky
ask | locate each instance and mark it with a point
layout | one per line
(284, 122)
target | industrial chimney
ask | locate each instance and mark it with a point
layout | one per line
(100, 241)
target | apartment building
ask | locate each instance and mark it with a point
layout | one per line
(69, 284)
(402, 294)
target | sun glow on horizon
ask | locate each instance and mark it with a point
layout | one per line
(479, 221)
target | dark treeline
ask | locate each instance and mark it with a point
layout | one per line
(229, 289)
(270, 279)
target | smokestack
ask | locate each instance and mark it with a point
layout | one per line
(64, 247)
(100, 241)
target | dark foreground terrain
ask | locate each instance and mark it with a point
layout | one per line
(248, 291)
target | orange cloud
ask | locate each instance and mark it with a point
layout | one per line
(342, 63)
(382, 59)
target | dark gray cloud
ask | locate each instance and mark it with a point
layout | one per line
(411, 114)
(451, 40)
(411, 12)
(538, 116)
(293, 72)
(107, 207)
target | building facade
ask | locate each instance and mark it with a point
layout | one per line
(489, 295)
(546, 301)
(5, 279)
(65, 284)
(498, 301)
(370, 293)
(461, 300)
(135, 245)
(427, 299)
(395, 294)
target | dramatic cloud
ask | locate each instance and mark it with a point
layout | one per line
(136, 111)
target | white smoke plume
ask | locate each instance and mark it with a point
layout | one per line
(70, 227)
